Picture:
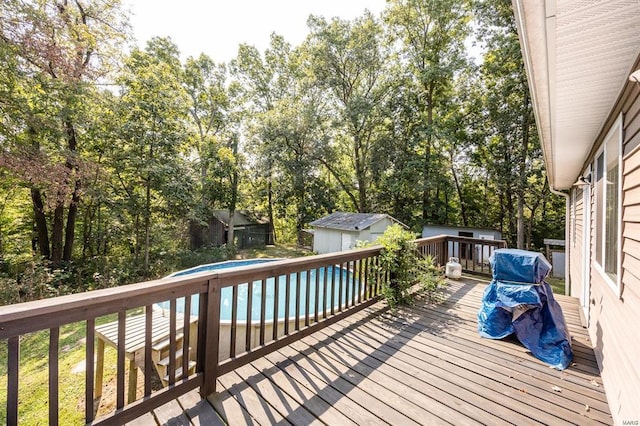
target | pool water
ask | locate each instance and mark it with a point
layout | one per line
(297, 282)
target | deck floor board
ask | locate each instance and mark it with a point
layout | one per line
(424, 364)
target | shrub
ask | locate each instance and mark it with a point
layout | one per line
(430, 277)
(401, 266)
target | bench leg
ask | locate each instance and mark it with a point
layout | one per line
(133, 381)
(99, 368)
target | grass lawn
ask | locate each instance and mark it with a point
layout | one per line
(34, 375)
(278, 250)
(34, 371)
(557, 284)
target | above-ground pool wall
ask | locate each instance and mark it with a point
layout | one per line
(241, 335)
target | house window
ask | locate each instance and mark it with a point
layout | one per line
(607, 186)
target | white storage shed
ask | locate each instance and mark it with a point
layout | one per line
(340, 231)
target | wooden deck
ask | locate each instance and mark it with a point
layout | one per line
(424, 365)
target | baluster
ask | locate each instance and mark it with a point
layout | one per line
(120, 360)
(248, 332)
(287, 302)
(333, 288)
(297, 327)
(276, 297)
(263, 309)
(354, 291)
(366, 278)
(340, 299)
(186, 336)
(234, 320)
(13, 367)
(202, 330)
(172, 341)
(148, 342)
(359, 285)
(307, 297)
(54, 343)
(89, 370)
(317, 299)
(324, 291)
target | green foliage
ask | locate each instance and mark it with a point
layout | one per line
(381, 114)
(430, 277)
(36, 280)
(401, 266)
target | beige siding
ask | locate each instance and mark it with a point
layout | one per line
(380, 226)
(613, 329)
(576, 241)
(614, 321)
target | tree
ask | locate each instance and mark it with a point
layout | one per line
(432, 36)
(349, 60)
(286, 128)
(61, 50)
(148, 160)
(205, 83)
(513, 143)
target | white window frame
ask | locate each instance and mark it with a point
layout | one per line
(614, 135)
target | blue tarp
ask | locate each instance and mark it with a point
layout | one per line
(519, 266)
(518, 301)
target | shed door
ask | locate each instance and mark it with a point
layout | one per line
(346, 241)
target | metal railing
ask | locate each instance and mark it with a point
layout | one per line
(303, 295)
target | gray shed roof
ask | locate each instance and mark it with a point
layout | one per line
(350, 221)
(241, 218)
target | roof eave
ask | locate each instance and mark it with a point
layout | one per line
(534, 20)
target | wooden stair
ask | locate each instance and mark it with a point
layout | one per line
(160, 357)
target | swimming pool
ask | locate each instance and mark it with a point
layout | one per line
(297, 282)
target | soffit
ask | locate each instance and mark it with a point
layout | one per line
(579, 54)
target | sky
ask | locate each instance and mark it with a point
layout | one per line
(218, 27)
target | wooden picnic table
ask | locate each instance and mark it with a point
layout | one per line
(134, 343)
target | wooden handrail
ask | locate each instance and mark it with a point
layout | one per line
(354, 285)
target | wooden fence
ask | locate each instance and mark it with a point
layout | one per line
(299, 288)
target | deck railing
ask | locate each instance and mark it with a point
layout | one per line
(303, 294)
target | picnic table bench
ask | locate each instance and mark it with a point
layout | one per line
(134, 345)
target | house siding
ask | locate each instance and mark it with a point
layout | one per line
(326, 240)
(435, 230)
(613, 321)
(577, 240)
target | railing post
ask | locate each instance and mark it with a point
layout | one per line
(212, 335)
(445, 251)
(13, 367)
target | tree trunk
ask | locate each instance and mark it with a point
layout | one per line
(511, 216)
(426, 196)
(361, 177)
(87, 227)
(136, 244)
(463, 210)
(57, 232)
(234, 195)
(343, 185)
(230, 230)
(147, 228)
(522, 184)
(41, 223)
(70, 230)
(300, 213)
(270, 208)
(520, 223)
